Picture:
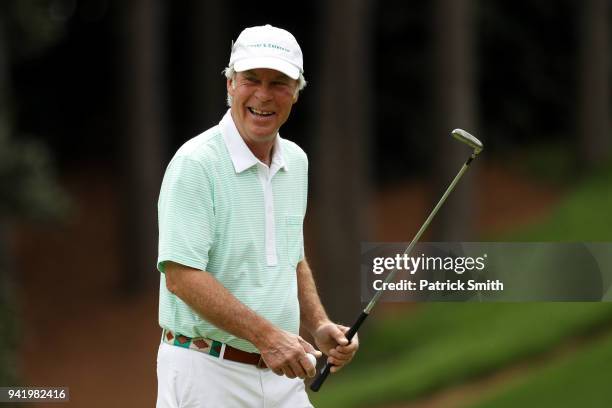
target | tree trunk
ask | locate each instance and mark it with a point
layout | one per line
(341, 174)
(594, 83)
(454, 107)
(8, 301)
(4, 79)
(143, 142)
(210, 56)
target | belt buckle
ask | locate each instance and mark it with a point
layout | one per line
(261, 363)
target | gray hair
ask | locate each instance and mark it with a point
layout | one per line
(231, 74)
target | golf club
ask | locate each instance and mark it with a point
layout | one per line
(475, 144)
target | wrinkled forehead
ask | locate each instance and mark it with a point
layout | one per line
(266, 73)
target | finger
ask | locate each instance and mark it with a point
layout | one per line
(335, 369)
(336, 361)
(297, 368)
(278, 372)
(336, 364)
(307, 365)
(288, 371)
(345, 329)
(341, 354)
(343, 359)
(350, 349)
(338, 335)
(309, 348)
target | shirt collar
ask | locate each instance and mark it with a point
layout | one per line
(242, 157)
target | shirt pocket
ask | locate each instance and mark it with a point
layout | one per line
(295, 238)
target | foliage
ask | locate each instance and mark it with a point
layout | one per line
(28, 189)
(446, 344)
(581, 380)
(584, 215)
(28, 186)
(8, 343)
(35, 25)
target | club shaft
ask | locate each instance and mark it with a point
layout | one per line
(318, 382)
(416, 238)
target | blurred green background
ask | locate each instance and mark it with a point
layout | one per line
(97, 95)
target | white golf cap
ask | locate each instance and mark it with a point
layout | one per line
(267, 47)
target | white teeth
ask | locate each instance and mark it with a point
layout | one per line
(258, 112)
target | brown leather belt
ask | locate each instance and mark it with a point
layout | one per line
(213, 348)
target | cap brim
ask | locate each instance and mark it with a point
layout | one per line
(268, 62)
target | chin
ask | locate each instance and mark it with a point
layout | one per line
(265, 138)
(264, 135)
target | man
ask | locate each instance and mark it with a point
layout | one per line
(235, 286)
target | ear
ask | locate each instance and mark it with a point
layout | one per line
(230, 88)
(296, 92)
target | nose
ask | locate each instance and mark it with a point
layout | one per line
(263, 92)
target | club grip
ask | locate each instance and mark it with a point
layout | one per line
(318, 382)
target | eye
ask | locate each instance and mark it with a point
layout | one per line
(251, 79)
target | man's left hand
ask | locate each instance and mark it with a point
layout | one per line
(330, 339)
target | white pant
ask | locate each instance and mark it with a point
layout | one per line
(191, 379)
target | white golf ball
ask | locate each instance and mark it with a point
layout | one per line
(312, 358)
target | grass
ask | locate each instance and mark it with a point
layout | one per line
(581, 380)
(445, 344)
(584, 215)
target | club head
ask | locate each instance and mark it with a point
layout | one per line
(468, 139)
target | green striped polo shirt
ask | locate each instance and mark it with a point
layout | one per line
(223, 211)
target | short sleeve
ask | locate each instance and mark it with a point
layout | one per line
(304, 203)
(185, 214)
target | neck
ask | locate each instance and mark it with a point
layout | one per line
(263, 151)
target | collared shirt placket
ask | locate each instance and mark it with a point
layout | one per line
(265, 176)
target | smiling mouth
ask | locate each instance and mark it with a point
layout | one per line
(260, 113)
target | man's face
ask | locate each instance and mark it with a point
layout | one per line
(261, 103)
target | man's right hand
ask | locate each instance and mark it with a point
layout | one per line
(285, 354)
